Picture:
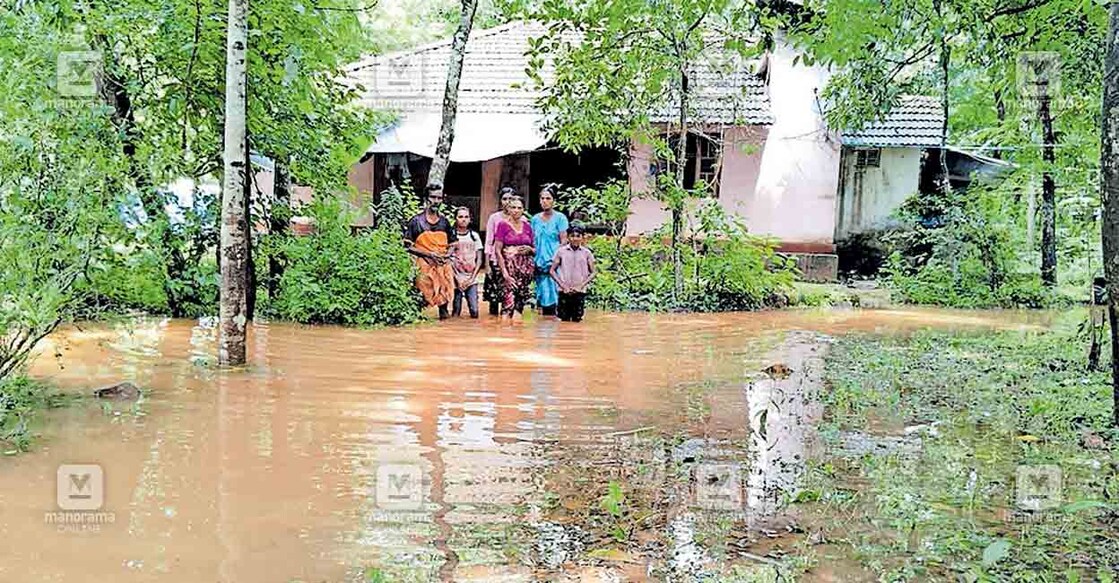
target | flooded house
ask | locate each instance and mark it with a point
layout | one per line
(758, 137)
(899, 156)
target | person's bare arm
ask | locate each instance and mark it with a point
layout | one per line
(591, 273)
(479, 257)
(552, 273)
(499, 255)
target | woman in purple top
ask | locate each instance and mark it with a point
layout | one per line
(492, 288)
(514, 252)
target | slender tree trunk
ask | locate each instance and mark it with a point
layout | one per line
(1109, 194)
(250, 265)
(1048, 194)
(115, 93)
(677, 202)
(945, 63)
(278, 223)
(450, 95)
(234, 223)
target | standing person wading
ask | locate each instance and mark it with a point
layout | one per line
(466, 257)
(427, 237)
(493, 287)
(512, 245)
(549, 228)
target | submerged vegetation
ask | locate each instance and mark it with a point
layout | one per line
(333, 276)
(933, 441)
(723, 267)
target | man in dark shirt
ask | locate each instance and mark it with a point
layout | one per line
(427, 237)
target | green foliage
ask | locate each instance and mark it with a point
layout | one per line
(336, 277)
(613, 503)
(20, 400)
(986, 403)
(607, 205)
(969, 255)
(623, 69)
(397, 206)
(882, 50)
(59, 185)
(161, 78)
(725, 268)
(401, 24)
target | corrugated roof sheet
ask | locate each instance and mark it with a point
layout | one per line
(916, 121)
(494, 80)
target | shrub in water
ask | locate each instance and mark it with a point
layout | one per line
(334, 276)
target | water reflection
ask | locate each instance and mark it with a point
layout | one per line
(272, 473)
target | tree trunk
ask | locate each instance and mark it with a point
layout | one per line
(1000, 113)
(278, 224)
(1109, 194)
(945, 63)
(234, 223)
(1048, 194)
(250, 265)
(115, 93)
(677, 202)
(450, 94)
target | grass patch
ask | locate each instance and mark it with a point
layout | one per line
(951, 418)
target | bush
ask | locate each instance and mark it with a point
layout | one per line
(20, 399)
(336, 277)
(969, 257)
(725, 269)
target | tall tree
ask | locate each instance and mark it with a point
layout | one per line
(624, 73)
(450, 94)
(968, 50)
(1048, 190)
(1109, 193)
(164, 67)
(234, 219)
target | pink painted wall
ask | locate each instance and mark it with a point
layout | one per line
(783, 178)
(742, 159)
(645, 214)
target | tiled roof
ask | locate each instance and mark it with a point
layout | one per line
(494, 80)
(916, 120)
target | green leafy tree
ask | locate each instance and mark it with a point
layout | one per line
(163, 78)
(968, 53)
(60, 183)
(619, 65)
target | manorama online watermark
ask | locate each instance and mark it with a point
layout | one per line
(79, 494)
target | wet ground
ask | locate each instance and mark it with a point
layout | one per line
(460, 451)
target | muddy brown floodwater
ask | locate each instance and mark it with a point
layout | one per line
(457, 451)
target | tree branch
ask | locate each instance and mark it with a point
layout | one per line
(1012, 10)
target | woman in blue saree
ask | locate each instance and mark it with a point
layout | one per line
(549, 228)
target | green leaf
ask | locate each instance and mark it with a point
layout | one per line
(996, 552)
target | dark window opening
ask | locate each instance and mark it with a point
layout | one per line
(868, 158)
(703, 160)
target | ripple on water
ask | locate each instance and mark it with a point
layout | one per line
(500, 441)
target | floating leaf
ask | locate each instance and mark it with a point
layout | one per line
(996, 552)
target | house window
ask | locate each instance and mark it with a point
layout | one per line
(703, 160)
(708, 151)
(868, 158)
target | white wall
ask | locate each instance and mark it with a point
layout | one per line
(869, 196)
(795, 197)
(783, 178)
